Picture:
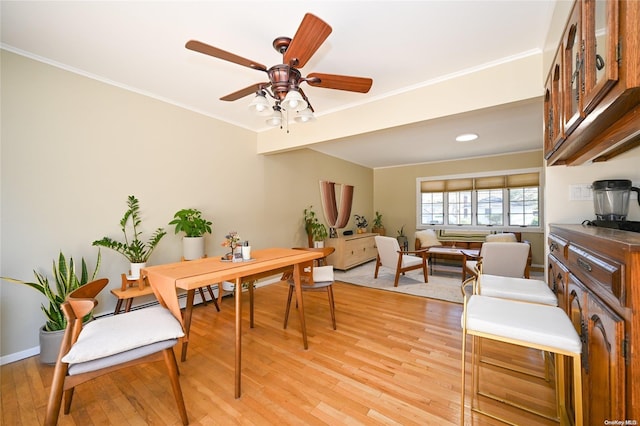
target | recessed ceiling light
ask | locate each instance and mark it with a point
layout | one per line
(467, 137)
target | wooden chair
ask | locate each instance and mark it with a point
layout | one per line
(314, 278)
(391, 256)
(108, 344)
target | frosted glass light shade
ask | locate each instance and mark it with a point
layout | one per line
(294, 101)
(276, 119)
(305, 116)
(260, 106)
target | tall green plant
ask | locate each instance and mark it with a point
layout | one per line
(135, 250)
(66, 281)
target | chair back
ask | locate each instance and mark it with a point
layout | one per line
(388, 249)
(504, 259)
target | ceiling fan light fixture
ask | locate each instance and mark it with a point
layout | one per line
(260, 105)
(294, 101)
(276, 119)
(305, 116)
(466, 137)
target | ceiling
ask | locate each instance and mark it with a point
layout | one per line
(400, 44)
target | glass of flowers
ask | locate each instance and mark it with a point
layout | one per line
(231, 240)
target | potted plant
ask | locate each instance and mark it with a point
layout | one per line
(377, 226)
(66, 281)
(319, 233)
(309, 220)
(194, 226)
(402, 239)
(361, 224)
(135, 250)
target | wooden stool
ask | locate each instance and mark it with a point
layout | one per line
(130, 289)
(543, 327)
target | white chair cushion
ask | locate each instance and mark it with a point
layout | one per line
(529, 323)
(505, 259)
(119, 333)
(322, 274)
(408, 260)
(503, 237)
(523, 289)
(428, 238)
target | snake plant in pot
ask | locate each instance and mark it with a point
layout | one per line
(66, 281)
(194, 226)
(133, 248)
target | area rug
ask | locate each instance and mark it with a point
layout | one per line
(444, 285)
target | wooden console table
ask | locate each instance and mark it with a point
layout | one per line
(352, 250)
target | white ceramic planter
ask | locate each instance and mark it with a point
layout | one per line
(135, 270)
(318, 244)
(193, 248)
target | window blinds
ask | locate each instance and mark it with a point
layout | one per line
(520, 180)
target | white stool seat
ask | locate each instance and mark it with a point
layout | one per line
(529, 323)
(522, 289)
(532, 325)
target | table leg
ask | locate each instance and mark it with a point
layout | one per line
(188, 309)
(251, 324)
(238, 295)
(298, 285)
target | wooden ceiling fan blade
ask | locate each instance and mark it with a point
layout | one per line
(245, 92)
(340, 82)
(312, 32)
(201, 47)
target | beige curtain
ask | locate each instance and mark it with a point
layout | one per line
(337, 217)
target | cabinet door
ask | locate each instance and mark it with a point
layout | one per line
(553, 122)
(606, 373)
(577, 312)
(572, 63)
(600, 35)
(557, 280)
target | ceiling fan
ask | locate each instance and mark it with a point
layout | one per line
(285, 79)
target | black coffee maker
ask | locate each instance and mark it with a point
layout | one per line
(611, 204)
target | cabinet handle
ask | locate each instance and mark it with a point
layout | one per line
(553, 247)
(584, 264)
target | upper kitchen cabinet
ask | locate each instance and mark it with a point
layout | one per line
(554, 125)
(600, 29)
(599, 93)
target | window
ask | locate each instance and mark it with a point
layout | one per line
(511, 199)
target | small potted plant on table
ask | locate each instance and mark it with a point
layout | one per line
(361, 224)
(377, 226)
(194, 226)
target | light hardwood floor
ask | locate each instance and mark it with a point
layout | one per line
(395, 359)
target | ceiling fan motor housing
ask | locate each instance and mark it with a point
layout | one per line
(282, 78)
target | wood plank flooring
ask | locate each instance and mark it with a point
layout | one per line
(394, 360)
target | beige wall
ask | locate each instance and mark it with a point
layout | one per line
(395, 190)
(73, 149)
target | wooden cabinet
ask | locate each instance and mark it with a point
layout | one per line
(592, 106)
(352, 250)
(595, 272)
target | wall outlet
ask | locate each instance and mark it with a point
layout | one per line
(580, 192)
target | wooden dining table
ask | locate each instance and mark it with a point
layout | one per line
(190, 276)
